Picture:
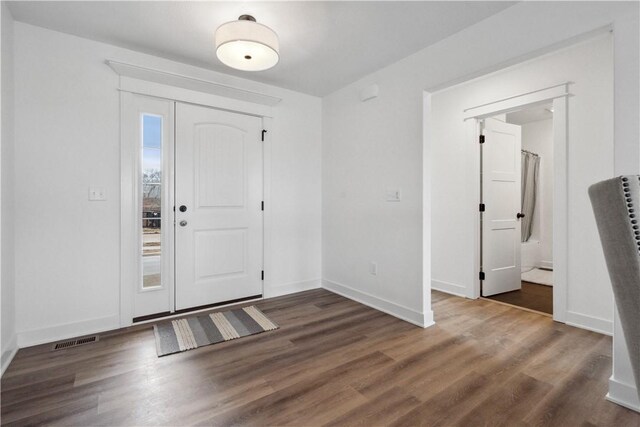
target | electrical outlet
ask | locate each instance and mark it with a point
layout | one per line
(373, 268)
(97, 194)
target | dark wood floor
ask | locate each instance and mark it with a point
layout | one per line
(333, 361)
(532, 296)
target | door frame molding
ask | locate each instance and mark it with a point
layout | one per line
(128, 179)
(473, 116)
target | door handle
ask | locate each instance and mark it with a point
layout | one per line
(183, 223)
(520, 215)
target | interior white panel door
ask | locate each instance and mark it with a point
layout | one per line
(501, 179)
(219, 190)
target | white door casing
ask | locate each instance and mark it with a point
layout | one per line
(501, 196)
(473, 116)
(219, 180)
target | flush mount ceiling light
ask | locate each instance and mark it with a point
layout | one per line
(246, 45)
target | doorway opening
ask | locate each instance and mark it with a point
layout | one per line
(517, 171)
(498, 249)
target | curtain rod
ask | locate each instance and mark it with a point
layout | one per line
(530, 152)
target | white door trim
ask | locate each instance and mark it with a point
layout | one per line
(512, 103)
(267, 259)
(560, 206)
(199, 85)
(160, 90)
(128, 177)
(128, 222)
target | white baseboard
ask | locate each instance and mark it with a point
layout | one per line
(623, 394)
(291, 288)
(547, 264)
(94, 326)
(68, 330)
(590, 323)
(423, 320)
(8, 353)
(449, 288)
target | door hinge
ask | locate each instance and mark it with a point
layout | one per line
(262, 205)
(262, 275)
(481, 139)
(482, 207)
(263, 132)
(481, 275)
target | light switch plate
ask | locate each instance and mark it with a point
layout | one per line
(373, 268)
(97, 194)
(393, 195)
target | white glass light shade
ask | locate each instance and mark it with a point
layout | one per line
(247, 45)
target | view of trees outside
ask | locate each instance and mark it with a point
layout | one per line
(151, 199)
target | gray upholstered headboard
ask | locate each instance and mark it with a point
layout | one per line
(616, 204)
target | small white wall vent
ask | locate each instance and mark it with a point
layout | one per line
(369, 92)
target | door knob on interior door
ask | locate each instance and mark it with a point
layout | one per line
(520, 215)
(183, 223)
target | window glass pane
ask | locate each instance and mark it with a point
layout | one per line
(151, 200)
(152, 132)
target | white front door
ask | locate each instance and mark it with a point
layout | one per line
(218, 206)
(501, 237)
(147, 203)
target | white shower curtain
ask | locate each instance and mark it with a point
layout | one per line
(530, 166)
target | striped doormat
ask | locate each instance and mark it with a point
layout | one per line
(197, 331)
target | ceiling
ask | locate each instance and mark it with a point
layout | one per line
(323, 45)
(532, 114)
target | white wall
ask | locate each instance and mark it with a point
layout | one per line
(363, 156)
(8, 337)
(589, 66)
(370, 146)
(537, 137)
(67, 139)
(296, 195)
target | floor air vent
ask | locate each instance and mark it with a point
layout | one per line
(75, 342)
